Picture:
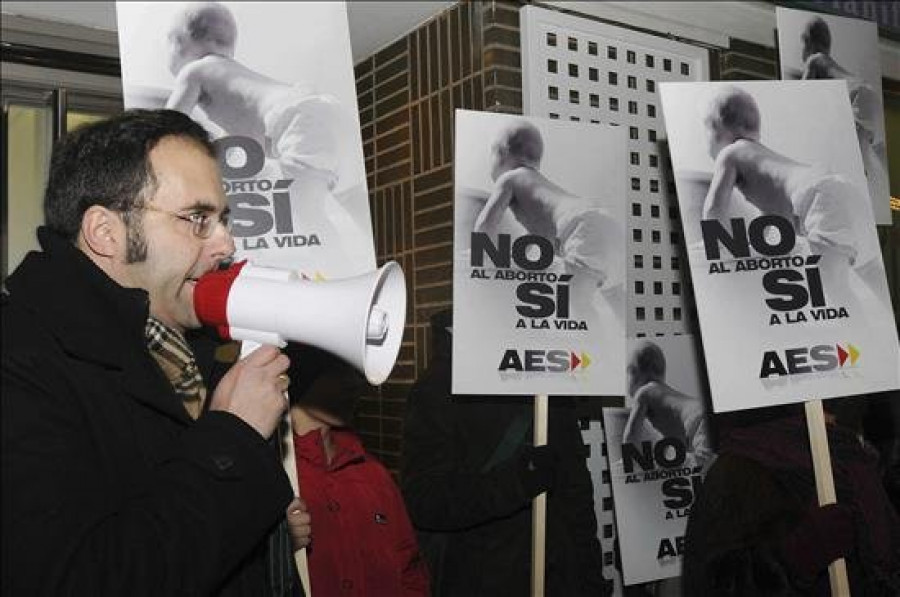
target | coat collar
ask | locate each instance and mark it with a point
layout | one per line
(92, 316)
(311, 448)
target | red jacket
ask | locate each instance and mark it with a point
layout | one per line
(362, 540)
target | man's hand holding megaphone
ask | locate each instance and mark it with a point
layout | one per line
(253, 389)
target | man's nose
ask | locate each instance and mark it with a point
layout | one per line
(222, 244)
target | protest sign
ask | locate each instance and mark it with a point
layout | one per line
(539, 248)
(785, 262)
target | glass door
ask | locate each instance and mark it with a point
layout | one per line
(33, 117)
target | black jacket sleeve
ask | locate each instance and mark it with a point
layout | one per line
(443, 491)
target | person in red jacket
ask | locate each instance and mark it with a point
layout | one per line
(362, 540)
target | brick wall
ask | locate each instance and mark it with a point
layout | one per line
(466, 57)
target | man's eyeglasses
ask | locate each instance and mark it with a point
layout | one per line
(202, 225)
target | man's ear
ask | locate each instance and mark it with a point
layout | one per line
(102, 232)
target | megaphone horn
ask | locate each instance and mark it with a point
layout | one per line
(360, 319)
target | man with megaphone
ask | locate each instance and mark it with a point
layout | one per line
(109, 484)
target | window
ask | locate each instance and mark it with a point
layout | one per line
(553, 92)
(656, 236)
(593, 74)
(611, 52)
(552, 65)
(651, 111)
(676, 264)
(635, 183)
(613, 78)
(657, 288)
(635, 158)
(638, 287)
(573, 70)
(595, 100)
(654, 160)
(632, 107)
(573, 44)
(651, 135)
(638, 261)
(658, 313)
(614, 104)
(632, 130)
(636, 210)
(657, 262)
(551, 39)
(573, 96)
(630, 57)
(654, 186)
(651, 86)
(685, 69)
(640, 314)
(648, 60)
(667, 65)
(654, 211)
(676, 288)
(592, 48)
(632, 82)
(637, 235)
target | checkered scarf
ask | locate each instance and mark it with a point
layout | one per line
(176, 359)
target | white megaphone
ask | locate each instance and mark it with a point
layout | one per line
(359, 319)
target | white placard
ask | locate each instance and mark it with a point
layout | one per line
(273, 82)
(657, 469)
(785, 262)
(819, 46)
(539, 248)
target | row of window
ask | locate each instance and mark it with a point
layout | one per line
(657, 262)
(637, 235)
(612, 53)
(637, 209)
(594, 100)
(612, 77)
(640, 313)
(657, 287)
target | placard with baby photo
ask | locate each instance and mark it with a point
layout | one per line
(539, 256)
(785, 262)
(812, 46)
(659, 449)
(273, 82)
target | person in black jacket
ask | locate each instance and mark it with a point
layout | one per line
(110, 484)
(468, 475)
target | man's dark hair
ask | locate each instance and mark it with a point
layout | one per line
(108, 163)
(817, 36)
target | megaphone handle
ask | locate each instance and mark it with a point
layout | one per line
(286, 442)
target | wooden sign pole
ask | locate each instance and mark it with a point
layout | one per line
(539, 505)
(821, 457)
(285, 433)
(290, 467)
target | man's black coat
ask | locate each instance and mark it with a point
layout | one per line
(108, 486)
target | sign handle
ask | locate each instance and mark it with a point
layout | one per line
(285, 433)
(286, 441)
(821, 457)
(539, 504)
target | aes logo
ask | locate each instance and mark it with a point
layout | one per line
(553, 361)
(811, 359)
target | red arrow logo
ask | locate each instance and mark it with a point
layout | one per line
(842, 354)
(575, 361)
